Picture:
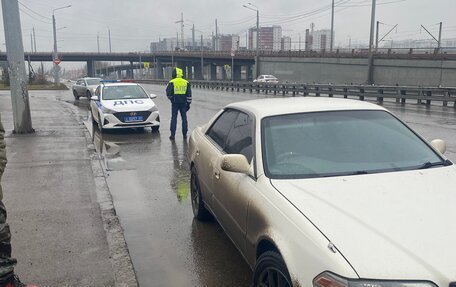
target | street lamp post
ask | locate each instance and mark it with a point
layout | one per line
(370, 69)
(55, 52)
(257, 52)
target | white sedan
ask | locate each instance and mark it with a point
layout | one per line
(124, 105)
(327, 193)
(269, 79)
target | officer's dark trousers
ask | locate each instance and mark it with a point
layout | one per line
(6, 262)
(182, 109)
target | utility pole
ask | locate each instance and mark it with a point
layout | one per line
(257, 66)
(31, 42)
(98, 43)
(193, 37)
(439, 40)
(440, 36)
(177, 39)
(34, 39)
(378, 41)
(370, 73)
(55, 55)
(18, 80)
(109, 35)
(257, 56)
(299, 45)
(182, 30)
(202, 60)
(376, 36)
(216, 35)
(332, 28)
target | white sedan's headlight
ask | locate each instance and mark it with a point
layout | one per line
(328, 279)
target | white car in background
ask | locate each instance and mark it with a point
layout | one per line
(270, 79)
(327, 193)
(85, 87)
(124, 105)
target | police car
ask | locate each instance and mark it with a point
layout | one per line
(123, 105)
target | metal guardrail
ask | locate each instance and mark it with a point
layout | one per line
(423, 95)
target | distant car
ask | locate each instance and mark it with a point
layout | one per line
(270, 79)
(85, 87)
(327, 193)
(124, 105)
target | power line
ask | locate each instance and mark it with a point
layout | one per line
(33, 17)
(31, 10)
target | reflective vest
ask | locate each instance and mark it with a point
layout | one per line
(180, 86)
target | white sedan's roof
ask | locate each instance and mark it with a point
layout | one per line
(291, 105)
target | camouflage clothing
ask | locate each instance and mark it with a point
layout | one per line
(2, 155)
(6, 262)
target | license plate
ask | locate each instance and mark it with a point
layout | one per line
(133, 119)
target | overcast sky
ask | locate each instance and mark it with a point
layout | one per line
(135, 23)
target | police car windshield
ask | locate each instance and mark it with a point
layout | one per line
(123, 92)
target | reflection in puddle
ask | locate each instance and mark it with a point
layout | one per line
(213, 251)
(180, 181)
(107, 145)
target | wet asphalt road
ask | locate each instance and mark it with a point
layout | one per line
(148, 177)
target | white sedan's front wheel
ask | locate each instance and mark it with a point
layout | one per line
(199, 210)
(270, 270)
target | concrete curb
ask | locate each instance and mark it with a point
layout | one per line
(122, 265)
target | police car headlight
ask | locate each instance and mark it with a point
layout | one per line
(153, 109)
(106, 110)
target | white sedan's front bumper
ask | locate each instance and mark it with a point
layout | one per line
(115, 121)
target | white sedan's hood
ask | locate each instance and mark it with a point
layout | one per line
(399, 225)
(129, 105)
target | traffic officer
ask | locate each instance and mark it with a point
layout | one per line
(179, 93)
(7, 276)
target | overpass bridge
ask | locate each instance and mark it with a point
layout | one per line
(431, 67)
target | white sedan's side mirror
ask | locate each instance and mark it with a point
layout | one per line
(94, 98)
(235, 163)
(153, 96)
(439, 145)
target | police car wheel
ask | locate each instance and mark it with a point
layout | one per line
(100, 127)
(75, 94)
(93, 119)
(199, 210)
(155, 128)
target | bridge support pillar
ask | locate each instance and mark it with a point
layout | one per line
(213, 72)
(224, 76)
(130, 74)
(159, 70)
(189, 71)
(237, 72)
(249, 73)
(90, 69)
(198, 71)
(119, 74)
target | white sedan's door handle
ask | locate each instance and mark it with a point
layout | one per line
(197, 152)
(217, 174)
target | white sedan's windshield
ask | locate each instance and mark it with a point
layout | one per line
(123, 92)
(340, 143)
(93, 82)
